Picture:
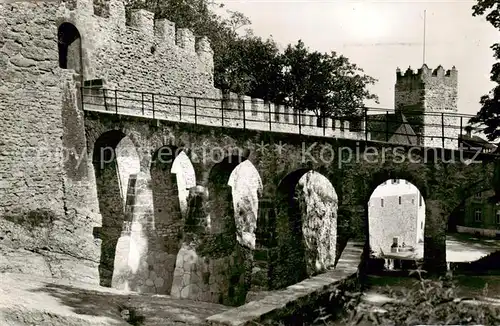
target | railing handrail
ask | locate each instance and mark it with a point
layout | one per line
(361, 108)
(362, 126)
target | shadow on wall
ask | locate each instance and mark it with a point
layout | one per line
(305, 230)
(111, 205)
(38, 218)
(222, 226)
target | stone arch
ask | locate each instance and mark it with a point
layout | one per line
(396, 209)
(113, 196)
(469, 238)
(297, 253)
(70, 47)
(221, 216)
(378, 177)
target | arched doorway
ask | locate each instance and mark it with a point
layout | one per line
(116, 162)
(306, 228)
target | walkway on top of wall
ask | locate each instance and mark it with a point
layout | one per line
(262, 116)
(279, 304)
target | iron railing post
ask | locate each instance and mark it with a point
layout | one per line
(180, 108)
(105, 102)
(244, 114)
(153, 104)
(300, 122)
(442, 129)
(81, 98)
(270, 122)
(195, 113)
(460, 135)
(116, 102)
(387, 126)
(142, 102)
(323, 122)
(366, 124)
(222, 109)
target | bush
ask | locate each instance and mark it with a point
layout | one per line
(430, 302)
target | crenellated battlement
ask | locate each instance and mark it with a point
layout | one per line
(425, 73)
(111, 18)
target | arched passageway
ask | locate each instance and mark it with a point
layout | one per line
(246, 189)
(305, 230)
(215, 260)
(116, 163)
(396, 221)
(221, 198)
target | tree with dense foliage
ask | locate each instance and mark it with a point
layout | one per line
(324, 83)
(488, 116)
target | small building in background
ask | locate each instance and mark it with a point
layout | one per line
(396, 210)
(479, 215)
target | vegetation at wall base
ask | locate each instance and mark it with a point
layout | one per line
(430, 302)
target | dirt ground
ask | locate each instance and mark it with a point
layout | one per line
(29, 300)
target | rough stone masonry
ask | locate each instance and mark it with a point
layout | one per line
(47, 49)
(61, 217)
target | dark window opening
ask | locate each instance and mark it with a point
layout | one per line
(70, 47)
(101, 8)
(478, 215)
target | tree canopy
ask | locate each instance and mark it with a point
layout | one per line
(325, 83)
(488, 117)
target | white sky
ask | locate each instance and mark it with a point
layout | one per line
(380, 36)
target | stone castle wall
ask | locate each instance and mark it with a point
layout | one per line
(48, 207)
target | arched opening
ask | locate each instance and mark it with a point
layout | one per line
(220, 194)
(306, 228)
(210, 263)
(164, 185)
(396, 223)
(246, 189)
(116, 163)
(70, 47)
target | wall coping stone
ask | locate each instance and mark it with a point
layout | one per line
(276, 302)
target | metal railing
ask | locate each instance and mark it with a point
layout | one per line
(432, 129)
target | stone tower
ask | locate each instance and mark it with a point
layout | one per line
(428, 99)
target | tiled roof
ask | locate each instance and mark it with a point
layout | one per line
(393, 127)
